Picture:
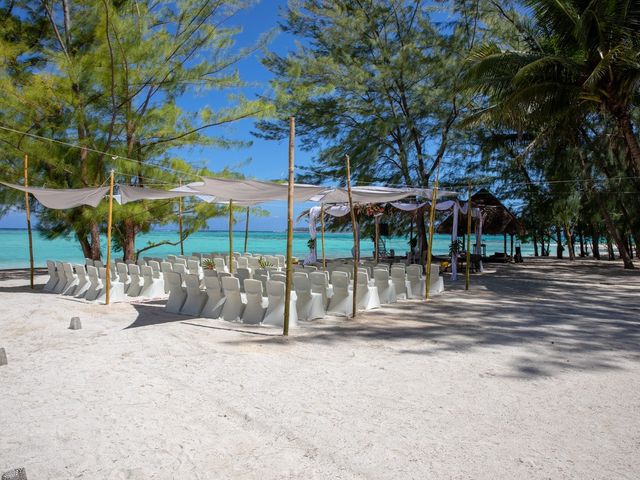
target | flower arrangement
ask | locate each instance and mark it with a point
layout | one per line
(264, 263)
(208, 264)
(373, 209)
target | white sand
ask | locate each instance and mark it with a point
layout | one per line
(533, 374)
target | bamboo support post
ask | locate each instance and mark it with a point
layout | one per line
(432, 216)
(180, 223)
(230, 236)
(109, 225)
(377, 235)
(324, 260)
(289, 270)
(354, 227)
(246, 231)
(467, 279)
(28, 210)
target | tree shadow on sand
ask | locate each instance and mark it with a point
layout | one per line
(562, 319)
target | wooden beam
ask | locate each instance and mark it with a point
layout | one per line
(289, 270)
(28, 209)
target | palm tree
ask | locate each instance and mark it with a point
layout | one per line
(578, 55)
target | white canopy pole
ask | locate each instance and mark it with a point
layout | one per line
(324, 260)
(246, 230)
(356, 250)
(230, 236)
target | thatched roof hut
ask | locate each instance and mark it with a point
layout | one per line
(498, 218)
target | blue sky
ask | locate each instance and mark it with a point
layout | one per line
(263, 159)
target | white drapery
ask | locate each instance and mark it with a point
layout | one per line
(314, 213)
(225, 189)
(61, 198)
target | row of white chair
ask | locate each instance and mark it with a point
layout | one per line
(89, 281)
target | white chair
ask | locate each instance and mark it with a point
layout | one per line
(181, 260)
(171, 258)
(400, 283)
(282, 260)
(215, 300)
(155, 268)
(243, 274)
(177, 293)
(98, 264)
(135, 281)
(275, 309)
(309, 305)
(123, 275)
(436, 283)
(62, 278)
(278, 277)
(196, 298)
(262, 275)
(254, 310)
(95, 284)
(220, 265)
(193, 266)
(72, 279)
(83, 281)
(386, 289)
(341, 302)
(53, 277)
(152, 286)
(243, 262)
(254, 262)
(88, 261)
(116, 288)
(232, 309)
(367, 295)
(141, 261)
(310, 268)
(320, 284)
(416, 281)
(180, 268)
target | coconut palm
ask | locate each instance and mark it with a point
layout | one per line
(579, 57)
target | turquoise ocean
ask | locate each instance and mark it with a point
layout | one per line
(14, 252)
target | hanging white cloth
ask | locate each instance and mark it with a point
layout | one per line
(478, 214)
(63, 198)
(337, 210)
(314, 213)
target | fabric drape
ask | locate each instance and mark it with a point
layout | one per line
(62, 198)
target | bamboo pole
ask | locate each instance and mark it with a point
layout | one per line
(376, 219)
(468, 263)
(432, 216)
(180, 223)
(354, 227)
(246, 231)
(289, 271)
(230, 236)
(324, 260)
(109, 225)
(28, 209)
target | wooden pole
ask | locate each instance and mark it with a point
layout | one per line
(246, 231)
(432, 216)
(109, 225)
(324, 260)
(354, 227)
(180, 223)
(289, 278)
(468, 264)
(28, 209)
(377, 222)
(230, 236)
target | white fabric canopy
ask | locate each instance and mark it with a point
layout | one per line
(314, 213)
(252, 190)
(60, 198)
(410, 207)
(130, 193)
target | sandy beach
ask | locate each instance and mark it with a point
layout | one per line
(534, 374)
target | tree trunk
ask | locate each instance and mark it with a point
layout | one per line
(637, 240)
(624, 123)
(615, 233)
(129, 247)
(581, 239)
(595, 244)
(559, 247)
(535, 245)
(569, 237)
(84, 243)
(612, 255)
(95, 241)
